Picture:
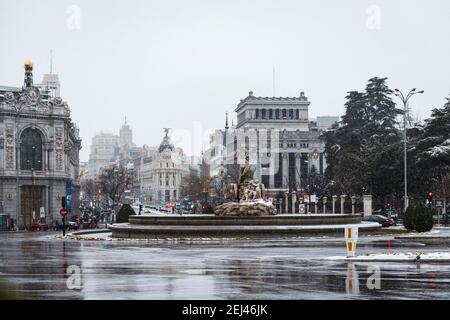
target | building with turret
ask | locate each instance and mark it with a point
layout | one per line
(161, 175)
(39, 152)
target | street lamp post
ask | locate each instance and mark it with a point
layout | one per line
(405, 100)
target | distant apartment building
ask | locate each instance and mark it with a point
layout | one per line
(104, 151)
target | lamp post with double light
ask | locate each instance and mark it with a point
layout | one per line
(405, 100)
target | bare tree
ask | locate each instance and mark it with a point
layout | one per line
(233, 172)
(204, 176)
(113, 181)
(191, 185)
(88, 188)
(217, 185)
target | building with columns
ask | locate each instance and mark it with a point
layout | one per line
(280, 139)
(161, 173)
(39, 153)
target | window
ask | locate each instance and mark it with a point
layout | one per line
(31, 150)
(284, 113)
(277, 114)
(291, 114)
(263, 113)
(257, 113)
(167, 195)
(270, 114)
(297, 114)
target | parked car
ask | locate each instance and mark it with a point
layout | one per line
(384, 221)
(393, 215)
(72, 225)
(147, 209)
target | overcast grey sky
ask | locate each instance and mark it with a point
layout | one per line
(171, 63)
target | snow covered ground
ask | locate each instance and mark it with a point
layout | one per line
(399, 257)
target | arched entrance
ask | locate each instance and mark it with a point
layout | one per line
(32, 199)
(31, 160)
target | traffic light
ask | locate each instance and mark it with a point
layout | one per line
(430, 199)
(63, 202)
(140, 209)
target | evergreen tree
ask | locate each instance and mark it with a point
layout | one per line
(364, 152)
(429, 153)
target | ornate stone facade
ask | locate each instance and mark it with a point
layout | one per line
(39, 154)
(161, 176)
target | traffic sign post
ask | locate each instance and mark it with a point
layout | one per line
(63, 212)
(301, 208)
(351, 237)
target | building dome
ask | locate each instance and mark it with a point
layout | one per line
(28, 65)
(166, 144)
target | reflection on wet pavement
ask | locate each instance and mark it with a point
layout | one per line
(36, 266)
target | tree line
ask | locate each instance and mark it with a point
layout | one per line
(365, 150)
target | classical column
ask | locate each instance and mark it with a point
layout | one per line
(258, 173)
(315, 207)
(353, 204)
(286, 202)
(334, 203)
(324, 199)
(285, 175)
(342, 203)
(367, 200)
(298, 167)
(272, 172)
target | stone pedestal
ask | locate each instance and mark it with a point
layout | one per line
(342, 203)
(367, 201)
(286, 202)
(353, 204)
(294, 199)
(334, 203)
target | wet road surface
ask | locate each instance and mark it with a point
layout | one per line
(34, 265)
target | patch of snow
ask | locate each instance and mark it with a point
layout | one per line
(408, 256)
(440, 150)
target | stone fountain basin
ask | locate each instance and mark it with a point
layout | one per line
(208, 225)
(273, 220)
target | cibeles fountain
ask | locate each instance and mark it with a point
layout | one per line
(245, 214)
(246, 198)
